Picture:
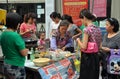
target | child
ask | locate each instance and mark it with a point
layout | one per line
(41, 41)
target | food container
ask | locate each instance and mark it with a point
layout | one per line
(41, 61)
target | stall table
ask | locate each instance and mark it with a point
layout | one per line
(62, 69)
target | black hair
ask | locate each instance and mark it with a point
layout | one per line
(41, 33)
(28, 16)
(12, 20)
(86, 13)
(55, 15)
(114, 22)
(67, 17)
(64, 23)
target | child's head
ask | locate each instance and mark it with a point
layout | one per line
(42, 35)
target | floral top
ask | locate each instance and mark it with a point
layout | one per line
(58, 42)
(94, 34)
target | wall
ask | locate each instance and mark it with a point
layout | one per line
(115, 10)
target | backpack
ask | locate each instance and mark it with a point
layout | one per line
(113, 65)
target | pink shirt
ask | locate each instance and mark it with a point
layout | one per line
(41, 42)
(24, 27)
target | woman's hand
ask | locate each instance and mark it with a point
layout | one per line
(106, 49)
(29, 30)
(77, 39)
(74, 37)
(64, 48)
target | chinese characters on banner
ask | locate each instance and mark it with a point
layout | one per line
(73, 8)
(98, 7)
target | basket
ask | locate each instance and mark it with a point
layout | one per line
(41, 61)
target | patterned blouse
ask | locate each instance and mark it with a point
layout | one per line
(94, 34)
(59, 42)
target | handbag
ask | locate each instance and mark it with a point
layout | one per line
(92, 47)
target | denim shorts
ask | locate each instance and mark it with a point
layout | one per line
(14, 72)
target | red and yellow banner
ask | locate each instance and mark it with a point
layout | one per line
(73, 8)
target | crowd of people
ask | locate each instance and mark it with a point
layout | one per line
(63, 35)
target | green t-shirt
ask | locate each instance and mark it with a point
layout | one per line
(12, 43)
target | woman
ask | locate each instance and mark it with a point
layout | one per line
(56, 19)
(13, 48)
(89, 61)
(111, 40)
(73, 29)
(28, 28)
(61, 39)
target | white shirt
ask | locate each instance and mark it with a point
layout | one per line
(53, 27)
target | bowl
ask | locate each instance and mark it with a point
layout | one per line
(41, 61)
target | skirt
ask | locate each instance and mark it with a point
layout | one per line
(89, 68)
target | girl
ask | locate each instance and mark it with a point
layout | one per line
(41, 41)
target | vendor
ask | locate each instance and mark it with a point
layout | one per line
(62, 39)
(28, 28)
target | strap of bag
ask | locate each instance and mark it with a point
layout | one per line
(91, 32)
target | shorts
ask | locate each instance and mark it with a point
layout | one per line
(14, 72)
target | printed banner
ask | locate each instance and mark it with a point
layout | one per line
(98, 7)
(63, 69)
(73, 8)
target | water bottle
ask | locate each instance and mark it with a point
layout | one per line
(32, 54)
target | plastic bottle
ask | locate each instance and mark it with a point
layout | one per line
(77, 65)
(32, 54)
(36, 55)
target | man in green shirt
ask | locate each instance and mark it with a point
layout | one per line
(13, 48)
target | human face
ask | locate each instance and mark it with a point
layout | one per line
(31, 21)
(53, 19)
(42, 36)
(63, 29)
(108, 26)
(56, 20)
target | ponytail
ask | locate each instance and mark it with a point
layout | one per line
(86, 13)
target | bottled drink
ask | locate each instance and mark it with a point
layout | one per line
(77, 65)
(32, 54)
(36, 55)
